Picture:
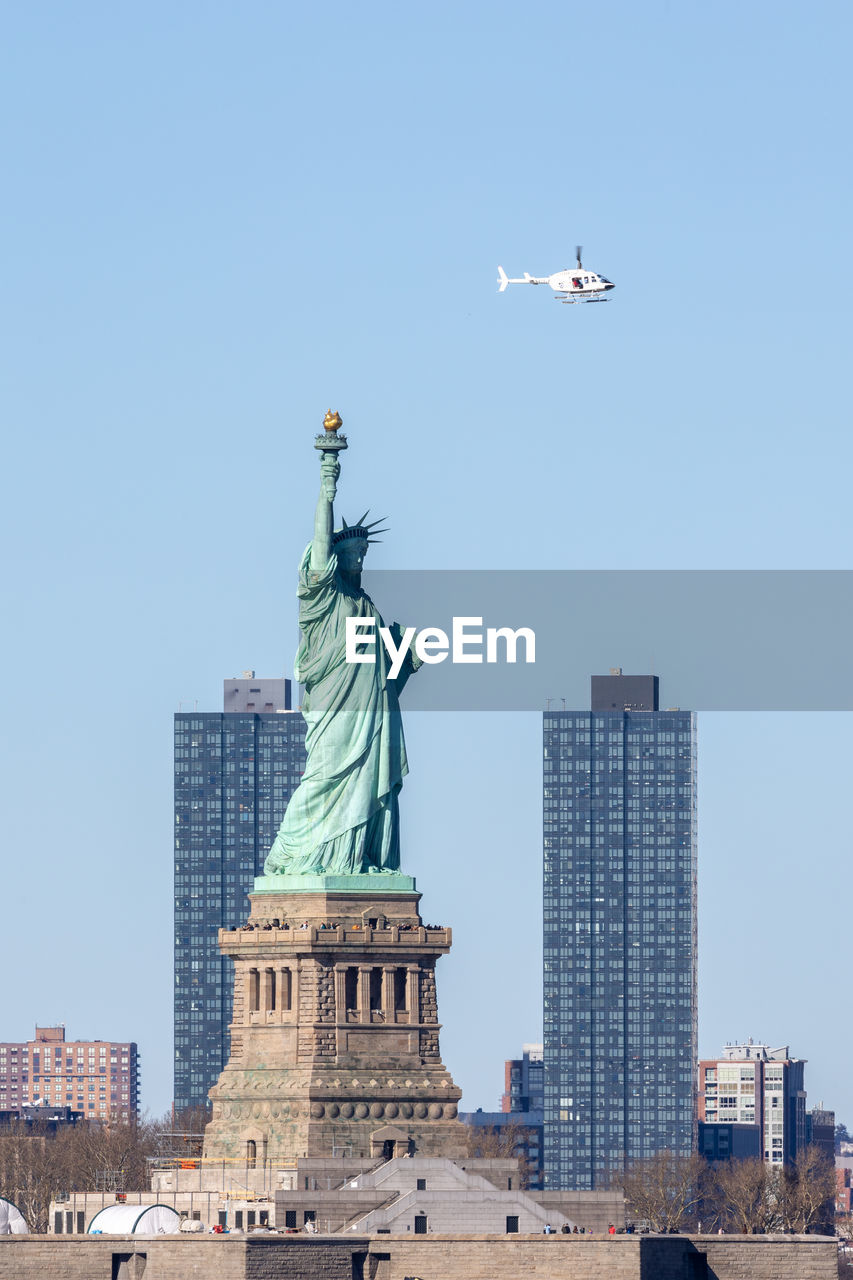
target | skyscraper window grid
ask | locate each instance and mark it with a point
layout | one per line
(234, 773)
(620, 939)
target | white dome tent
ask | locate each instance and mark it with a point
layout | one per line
(135, 1220)
(12, 1221)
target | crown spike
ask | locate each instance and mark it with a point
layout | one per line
(359, 530)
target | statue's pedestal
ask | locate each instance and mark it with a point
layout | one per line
(379, 882)
(334, 1039)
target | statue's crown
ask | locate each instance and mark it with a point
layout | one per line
(358, 530)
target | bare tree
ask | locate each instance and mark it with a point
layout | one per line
(807, 1192)
(113, 1156)
(37, 1164)
(665, 1190)
(747, 1196)
(502, 1142)
(30, 1172)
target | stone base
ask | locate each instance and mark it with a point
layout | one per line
(450, 1257)
(334, 1042)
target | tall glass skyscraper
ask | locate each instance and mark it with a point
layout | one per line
(619, 932)
(234, 774)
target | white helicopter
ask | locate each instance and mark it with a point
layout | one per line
(580, 285)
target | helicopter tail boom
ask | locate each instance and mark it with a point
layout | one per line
(527, 278)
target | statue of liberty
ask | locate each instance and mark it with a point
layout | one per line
(343, 818)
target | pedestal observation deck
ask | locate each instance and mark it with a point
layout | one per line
(335, 1032)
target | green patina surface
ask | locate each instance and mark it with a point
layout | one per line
(386, 882)
(343, 818)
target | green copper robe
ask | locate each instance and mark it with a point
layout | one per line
(343, 818)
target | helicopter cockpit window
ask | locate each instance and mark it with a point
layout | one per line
(603, 280)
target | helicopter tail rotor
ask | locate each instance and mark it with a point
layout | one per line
(579, 251)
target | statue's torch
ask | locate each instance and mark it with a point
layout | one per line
(330, 444)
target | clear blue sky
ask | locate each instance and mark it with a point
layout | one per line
(218, 220)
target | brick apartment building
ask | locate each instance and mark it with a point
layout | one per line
(753, 1085)
(524, 1088)
(98, 1078)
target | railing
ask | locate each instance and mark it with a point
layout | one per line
(416, 933)
(367, 1220)
(164, 1163)
(352, 1223)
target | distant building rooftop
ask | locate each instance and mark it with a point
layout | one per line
(258, 695)
(618, 692)
(758, 1052)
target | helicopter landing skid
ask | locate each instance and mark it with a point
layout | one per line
(577, 301)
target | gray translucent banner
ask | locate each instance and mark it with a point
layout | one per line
(719, 640)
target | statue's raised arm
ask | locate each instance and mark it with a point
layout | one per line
(324, 516)
(343, 819)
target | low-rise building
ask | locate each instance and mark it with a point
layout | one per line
(40, 1120)
(476, 1194)
(524, 1080)
(97, 1078)
(820, 1130)
(406, 1194)
(729, 1141)
(753, 1084)
(420, 1194)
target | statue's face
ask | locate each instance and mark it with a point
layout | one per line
(351, 553)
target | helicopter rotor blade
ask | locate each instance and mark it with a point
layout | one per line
(579, 251)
